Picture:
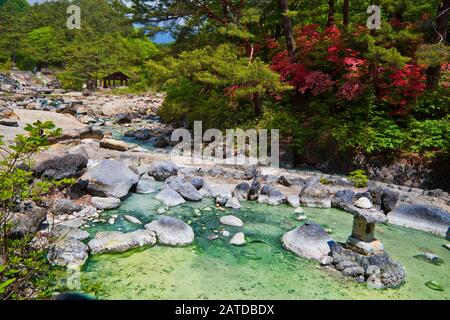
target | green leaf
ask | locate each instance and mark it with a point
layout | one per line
(5, 285)
(434, 285)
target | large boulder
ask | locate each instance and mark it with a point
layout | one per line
(105, 203)
(115, 241)
(171, 231)
(60, 232)
(309, 241)
(188, 192)
(65, 206)
(27, 221)
(343, 196)
(174, 182)
(61, 166)
(169, 197)
(255, 188)
(110, 178)
(161, 170)
(241, 191)
(68, 252)
(146, 185)
(422, 217)
(197, 182)
(315, 195)
(271, 195)
(389, 200)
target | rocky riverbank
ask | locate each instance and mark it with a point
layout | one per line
(107, 170)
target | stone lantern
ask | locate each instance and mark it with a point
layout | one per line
(362, 239)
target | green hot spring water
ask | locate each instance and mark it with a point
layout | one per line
(262, 269)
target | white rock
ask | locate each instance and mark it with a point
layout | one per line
(363, 203)
(298, 210)
(132, 219)
(225, 233)
(171, 231)
(238, 239)
(293, 200)
(233, 203)
(105, 203)
(302, 218)
(231, 221)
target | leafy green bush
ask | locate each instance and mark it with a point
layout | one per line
(21, 267)
(359, 178)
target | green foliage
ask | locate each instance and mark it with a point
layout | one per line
(325, 181)
(359, 178)
(216, 85)
(22, 266)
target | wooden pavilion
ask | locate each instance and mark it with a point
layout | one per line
(115, 79)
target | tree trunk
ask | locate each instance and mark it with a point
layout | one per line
(330, 21)
(257, 103)
(287, 28)
(440, 25)
(345, 12)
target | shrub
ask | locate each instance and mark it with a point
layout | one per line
(359, 178)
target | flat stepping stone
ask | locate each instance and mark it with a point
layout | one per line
(231, 220)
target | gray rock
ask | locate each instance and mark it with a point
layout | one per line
(290, 181)
(308, 241)
(161, 170)
(389, 199)
(250, 172)
(60, 232)
(171, 231)
(169, 197)
(65, 206)
(255, 188)
(293, 200)
(146, 185)
(345, 196)
(105, 203)
(188, 192)
(174, 182)
(241, 191)
(231, 220)
(422, 217)
(27, 221)
(115, 241)
(122, 118)
(271, 195)
(315, 195)
(353, 271)
(372, 269)
(197, 182)
(110, 178)
(61, 166)
(69, 253)
(233, 203)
